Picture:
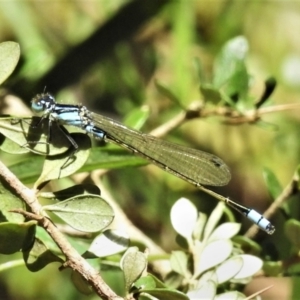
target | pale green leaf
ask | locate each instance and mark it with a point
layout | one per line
(33, 134)
(137, 117)
(89, 213)
(9, 57)
(251, 265)
(292, 231)
(213, 254)
(228, 269)
(133, 264)
(214, 219)
(9, 201)
(179, 263)
(233, 295)
(108, 243)
(225, 231)
(184, 216)
(67, 164)
(149, 282)
(272, 182)
(206, 291)
(165, 294)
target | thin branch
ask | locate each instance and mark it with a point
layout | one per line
(73, 258)
(231, 116)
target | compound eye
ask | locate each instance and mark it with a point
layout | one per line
(42, 103)
(38, 106)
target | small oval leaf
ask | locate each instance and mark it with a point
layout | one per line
(225, 231)
(228, 269)
(89, 213)
(133, 264)
(184, 216)
(251, 265)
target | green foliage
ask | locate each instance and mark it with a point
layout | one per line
(198, 270)
(212, 261)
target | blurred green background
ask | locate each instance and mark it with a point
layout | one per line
(108, 54)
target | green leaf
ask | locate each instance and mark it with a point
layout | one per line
(9, 57)
(274, 268)
(15, 237)
(165, 91)
(248, 245)
(81, 284)
(11, 147)
(101, 158)
(272, 183)
(146, 282)
(149, 282)
(44, 237)
(9, 201)
(108, 243)
(199, 69)
(173, 280)
(89, 213)
(68, 163)
(39, 256)
(230, 72)
(210, 93)
(33, 134)
(137, 117)
(292, 231)
(133, 264)
(179, 263)
(166, 294)
(28, 169)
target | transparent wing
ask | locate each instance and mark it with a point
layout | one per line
(193, 165)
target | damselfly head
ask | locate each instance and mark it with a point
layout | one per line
(43, 103)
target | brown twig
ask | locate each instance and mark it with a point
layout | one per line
(231, 116)
(73, 258)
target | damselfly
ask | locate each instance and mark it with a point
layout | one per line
(195, 166)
